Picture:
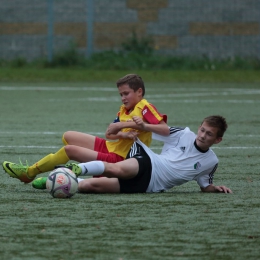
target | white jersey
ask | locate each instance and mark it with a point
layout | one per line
(180, 161)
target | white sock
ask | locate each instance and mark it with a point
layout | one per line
(93, 168)
(80, 179)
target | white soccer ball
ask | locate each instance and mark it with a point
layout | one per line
(62, 183)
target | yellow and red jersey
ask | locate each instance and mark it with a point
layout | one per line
(148, 113)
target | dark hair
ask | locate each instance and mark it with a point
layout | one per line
(134, 82)
(218, 122)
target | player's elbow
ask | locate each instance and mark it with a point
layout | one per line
(166, 131)
(210, 188)
(202, 189)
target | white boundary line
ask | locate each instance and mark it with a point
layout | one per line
(12, 88)
(166, 99)
(44, 133)
(224, 92)
(153, 148)
(159, 98)
(81, 87)
(98, 134)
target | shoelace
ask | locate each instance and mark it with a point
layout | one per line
(22, 165)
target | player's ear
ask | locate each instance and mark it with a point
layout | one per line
(218, 140)
(140, 91)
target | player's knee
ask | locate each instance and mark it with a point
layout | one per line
(87, 186)
(70, 150)
(66, 137)
(64, 140)
(83, 187)
(113, 170)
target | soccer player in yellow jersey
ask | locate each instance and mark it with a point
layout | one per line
(82, 147)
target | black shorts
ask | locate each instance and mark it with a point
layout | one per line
(140, 182)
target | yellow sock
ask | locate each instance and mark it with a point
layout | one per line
(48, 163)
(64, 140)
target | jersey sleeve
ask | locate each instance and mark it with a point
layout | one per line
(206, 177)
(175, 133)
(152, 116)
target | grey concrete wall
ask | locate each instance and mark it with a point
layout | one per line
(188, 27)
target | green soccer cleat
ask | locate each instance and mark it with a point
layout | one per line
(40, 183)
(73, 167)
(18, 171)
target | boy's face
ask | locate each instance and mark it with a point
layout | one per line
(129, 97)
(207, 136)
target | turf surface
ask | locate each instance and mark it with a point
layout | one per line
(182, 223)
(34, 74)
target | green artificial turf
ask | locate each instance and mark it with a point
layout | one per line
(85, 75)
(182, 223)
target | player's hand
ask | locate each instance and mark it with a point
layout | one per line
(223, 189)
(139, 121)
(113, 128)
(131, 135)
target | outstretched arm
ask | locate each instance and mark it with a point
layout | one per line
(212, 188)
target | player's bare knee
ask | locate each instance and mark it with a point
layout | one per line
(85, 187)
(90, 186)
(66, 137)
(70, 151)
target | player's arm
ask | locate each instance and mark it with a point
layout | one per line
(122, 135)
(161, 128)
(212, 188)
(205, 182)
(138, 124)
(114, 132)
(116, 127)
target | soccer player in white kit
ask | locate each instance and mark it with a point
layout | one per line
(185, 157)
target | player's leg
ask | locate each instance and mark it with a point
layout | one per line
(134, 176)
(82, 150)
(92, 148)
(126, 169)
(74, 152)
(72, 138)
(79, 139)
(103, 153)
(27, 173)
(80, 154)
(66, 153)
(48, 163)
(99, 185)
